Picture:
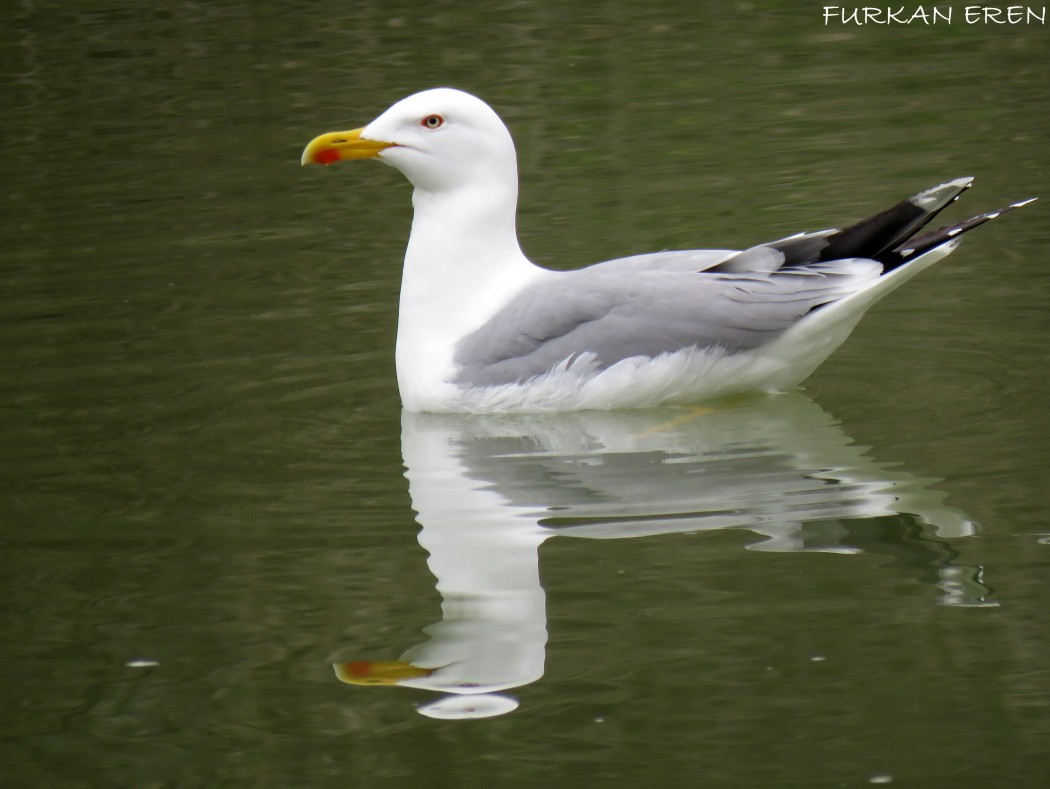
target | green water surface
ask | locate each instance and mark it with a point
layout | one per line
(209, 495)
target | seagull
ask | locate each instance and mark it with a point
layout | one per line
(483, 329)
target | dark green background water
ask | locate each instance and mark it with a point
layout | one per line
(201, 464)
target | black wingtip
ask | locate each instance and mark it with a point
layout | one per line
(917, 245)
(889, 237)
(876, 236)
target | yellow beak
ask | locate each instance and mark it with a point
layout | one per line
(342, 146)
(375, 672)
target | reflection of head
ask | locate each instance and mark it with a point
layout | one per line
(485, 705)
(396, 672)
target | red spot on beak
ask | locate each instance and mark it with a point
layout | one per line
(327, 156)
(357, 668)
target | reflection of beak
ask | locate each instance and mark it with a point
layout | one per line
(378, 672)
(342, 146)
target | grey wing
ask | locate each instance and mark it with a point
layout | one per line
(616, 314)
(684, 260)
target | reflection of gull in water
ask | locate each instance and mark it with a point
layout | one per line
(490, 490)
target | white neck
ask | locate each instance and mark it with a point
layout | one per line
(462, 263)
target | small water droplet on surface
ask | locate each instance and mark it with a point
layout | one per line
(142, 663)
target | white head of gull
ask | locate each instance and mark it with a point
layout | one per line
(481, 328)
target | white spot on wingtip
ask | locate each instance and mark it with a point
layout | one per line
(1024, 202)
(935, 195)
